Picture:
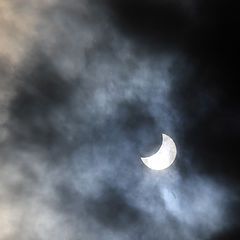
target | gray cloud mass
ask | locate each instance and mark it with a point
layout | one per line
(80, 102)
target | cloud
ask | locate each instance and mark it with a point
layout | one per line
(41, 91)
(93, 89)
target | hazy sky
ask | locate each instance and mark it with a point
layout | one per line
(86, 88)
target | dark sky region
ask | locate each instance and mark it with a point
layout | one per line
(87, 87)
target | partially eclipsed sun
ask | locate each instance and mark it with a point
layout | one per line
(164, 157)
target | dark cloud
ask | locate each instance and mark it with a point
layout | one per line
(135, 120)
(40, 92)
(112, 210)
(153, 23)
(202, 30)
(232, 235)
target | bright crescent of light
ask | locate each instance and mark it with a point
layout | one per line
(164, 157)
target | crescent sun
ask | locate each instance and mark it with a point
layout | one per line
(164, 157)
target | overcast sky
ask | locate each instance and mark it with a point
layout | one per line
(87, 87)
